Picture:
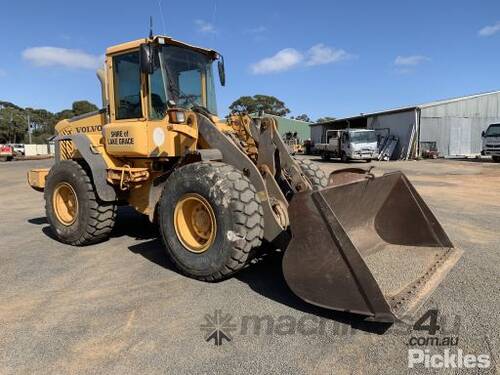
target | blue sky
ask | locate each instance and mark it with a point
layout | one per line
(323, 58)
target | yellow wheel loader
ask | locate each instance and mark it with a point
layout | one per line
(220, 189)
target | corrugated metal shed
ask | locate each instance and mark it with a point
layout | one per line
(454, 125)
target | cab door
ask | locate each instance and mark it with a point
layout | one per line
(126, 134)
(138, 124)
(333, 141)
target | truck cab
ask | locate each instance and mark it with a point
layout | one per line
(491, 142)
(349, 144)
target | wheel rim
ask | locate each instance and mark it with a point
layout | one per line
(194, 222)
(65, 203)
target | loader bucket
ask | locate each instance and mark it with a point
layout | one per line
(370, 247)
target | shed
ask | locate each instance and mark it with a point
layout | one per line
(452, 126)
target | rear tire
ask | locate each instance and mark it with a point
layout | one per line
(91, 221)
(325, 156)
(232, 210)
(313, 173)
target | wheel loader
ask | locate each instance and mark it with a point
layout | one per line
(219, 190)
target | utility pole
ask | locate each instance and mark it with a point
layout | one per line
(11, 129)
(29, 129)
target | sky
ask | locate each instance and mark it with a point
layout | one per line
(322, 58)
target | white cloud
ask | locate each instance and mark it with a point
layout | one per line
(283, 60)
(489, 30)
(410, 60)
(320, 54)
(289, 58)
(205, 27)
(55, 56)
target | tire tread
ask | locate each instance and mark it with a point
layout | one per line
(102, 216)
(247, 209)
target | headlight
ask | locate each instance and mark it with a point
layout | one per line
(176, 116)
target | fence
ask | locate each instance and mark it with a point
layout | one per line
(33, 150)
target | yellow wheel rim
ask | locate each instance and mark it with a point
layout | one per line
(194, 222)
(65, 203)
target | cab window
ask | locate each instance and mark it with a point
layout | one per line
(331, 135)
(158, 102)
(127, 83)
(189, 83)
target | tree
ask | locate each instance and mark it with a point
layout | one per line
(244, 104)
(82, 106)
(78, 108)
(325, 119)
(257, 103)
(14, 121)
(303, 117)
(65, 113)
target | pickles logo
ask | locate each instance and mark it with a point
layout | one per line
(120, 137)
(424, 349)
(218, 327)
(449, 359)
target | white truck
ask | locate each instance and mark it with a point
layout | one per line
(349, 144)
(491, 142)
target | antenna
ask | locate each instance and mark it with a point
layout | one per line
(150, 27)
(213, 18)
(162, 17)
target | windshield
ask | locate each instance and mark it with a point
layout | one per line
(493, 131)
(363, 137)
(184, 76)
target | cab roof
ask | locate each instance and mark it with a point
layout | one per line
(161, 39)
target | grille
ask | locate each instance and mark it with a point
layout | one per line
(66, 147)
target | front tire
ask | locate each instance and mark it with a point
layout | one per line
(496, 159)
(344, 158)
(313, 173)
(210, 220)
(74, 212)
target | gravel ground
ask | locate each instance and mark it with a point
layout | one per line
(120, 307)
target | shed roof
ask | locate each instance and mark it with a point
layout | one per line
(411, 107)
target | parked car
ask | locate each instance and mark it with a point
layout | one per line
(6, 153)
(18, 148)
(491, 142)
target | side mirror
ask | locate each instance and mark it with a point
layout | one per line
(148, 58)
(483, 133)
(222, 72)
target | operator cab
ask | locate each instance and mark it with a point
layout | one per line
(150, 75)
(153, 85)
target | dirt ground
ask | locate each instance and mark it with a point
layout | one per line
(120, 306)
